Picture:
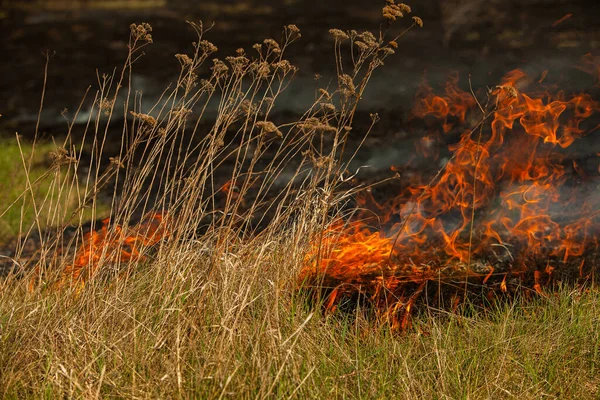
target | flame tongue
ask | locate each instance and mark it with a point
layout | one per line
(506, 196)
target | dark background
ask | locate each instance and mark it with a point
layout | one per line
(483, 38)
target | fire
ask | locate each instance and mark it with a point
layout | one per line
(112, 245)
(505, 204)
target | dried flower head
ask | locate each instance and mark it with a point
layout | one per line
(285, 66)
(247, 107)
(269, 128)
(391, 12)
(328, 107)
(144, 118)
(324, 93)
(237, 63)
(418, 21)
(61, 157)
(509, 94)
(369, 39)
(338, 34)
(315, 124)
(347, 85)
(207, 47)
(141, 32)
(292, 32)
(207, 85)
(272, 45)
(262, 69)
(362, 45)
(219, 67)
(183, 59)
(106, 106)
(393, 44)
(404, 8)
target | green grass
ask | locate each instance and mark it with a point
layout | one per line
(17, 213)
(13, 185)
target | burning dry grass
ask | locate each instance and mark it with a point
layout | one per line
(505, 206)
(200, 297)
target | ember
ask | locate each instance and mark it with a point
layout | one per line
(508, 205)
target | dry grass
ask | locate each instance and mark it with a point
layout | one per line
(212, 311)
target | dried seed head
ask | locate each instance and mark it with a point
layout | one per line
(144, 118)
(347, 85)
(510, 91)
(247, 107)
(362, 45)
(393, 44)
(272, 44)
(219, 67)
(338, 34)
(240, 52)
(269, 128)
(315, 124)
(391, 12)
(285, 66)
(404, 8)
(257, 47)
(183, 59)
(328, 107)
(369, 38)
(141, 32)
(292, 32)
(237, 63)
(206, 85)
(61, 157)
(106, 106)
(262, 69)
(207, 47)
(324, 93)
(418, 21)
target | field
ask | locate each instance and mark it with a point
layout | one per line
(172, 263)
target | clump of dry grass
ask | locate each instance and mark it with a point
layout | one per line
(222, 283)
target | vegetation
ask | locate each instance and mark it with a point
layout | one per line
(212, 310)
(19, 166)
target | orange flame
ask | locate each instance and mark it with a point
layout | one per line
(509, 176)
(112, 246)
